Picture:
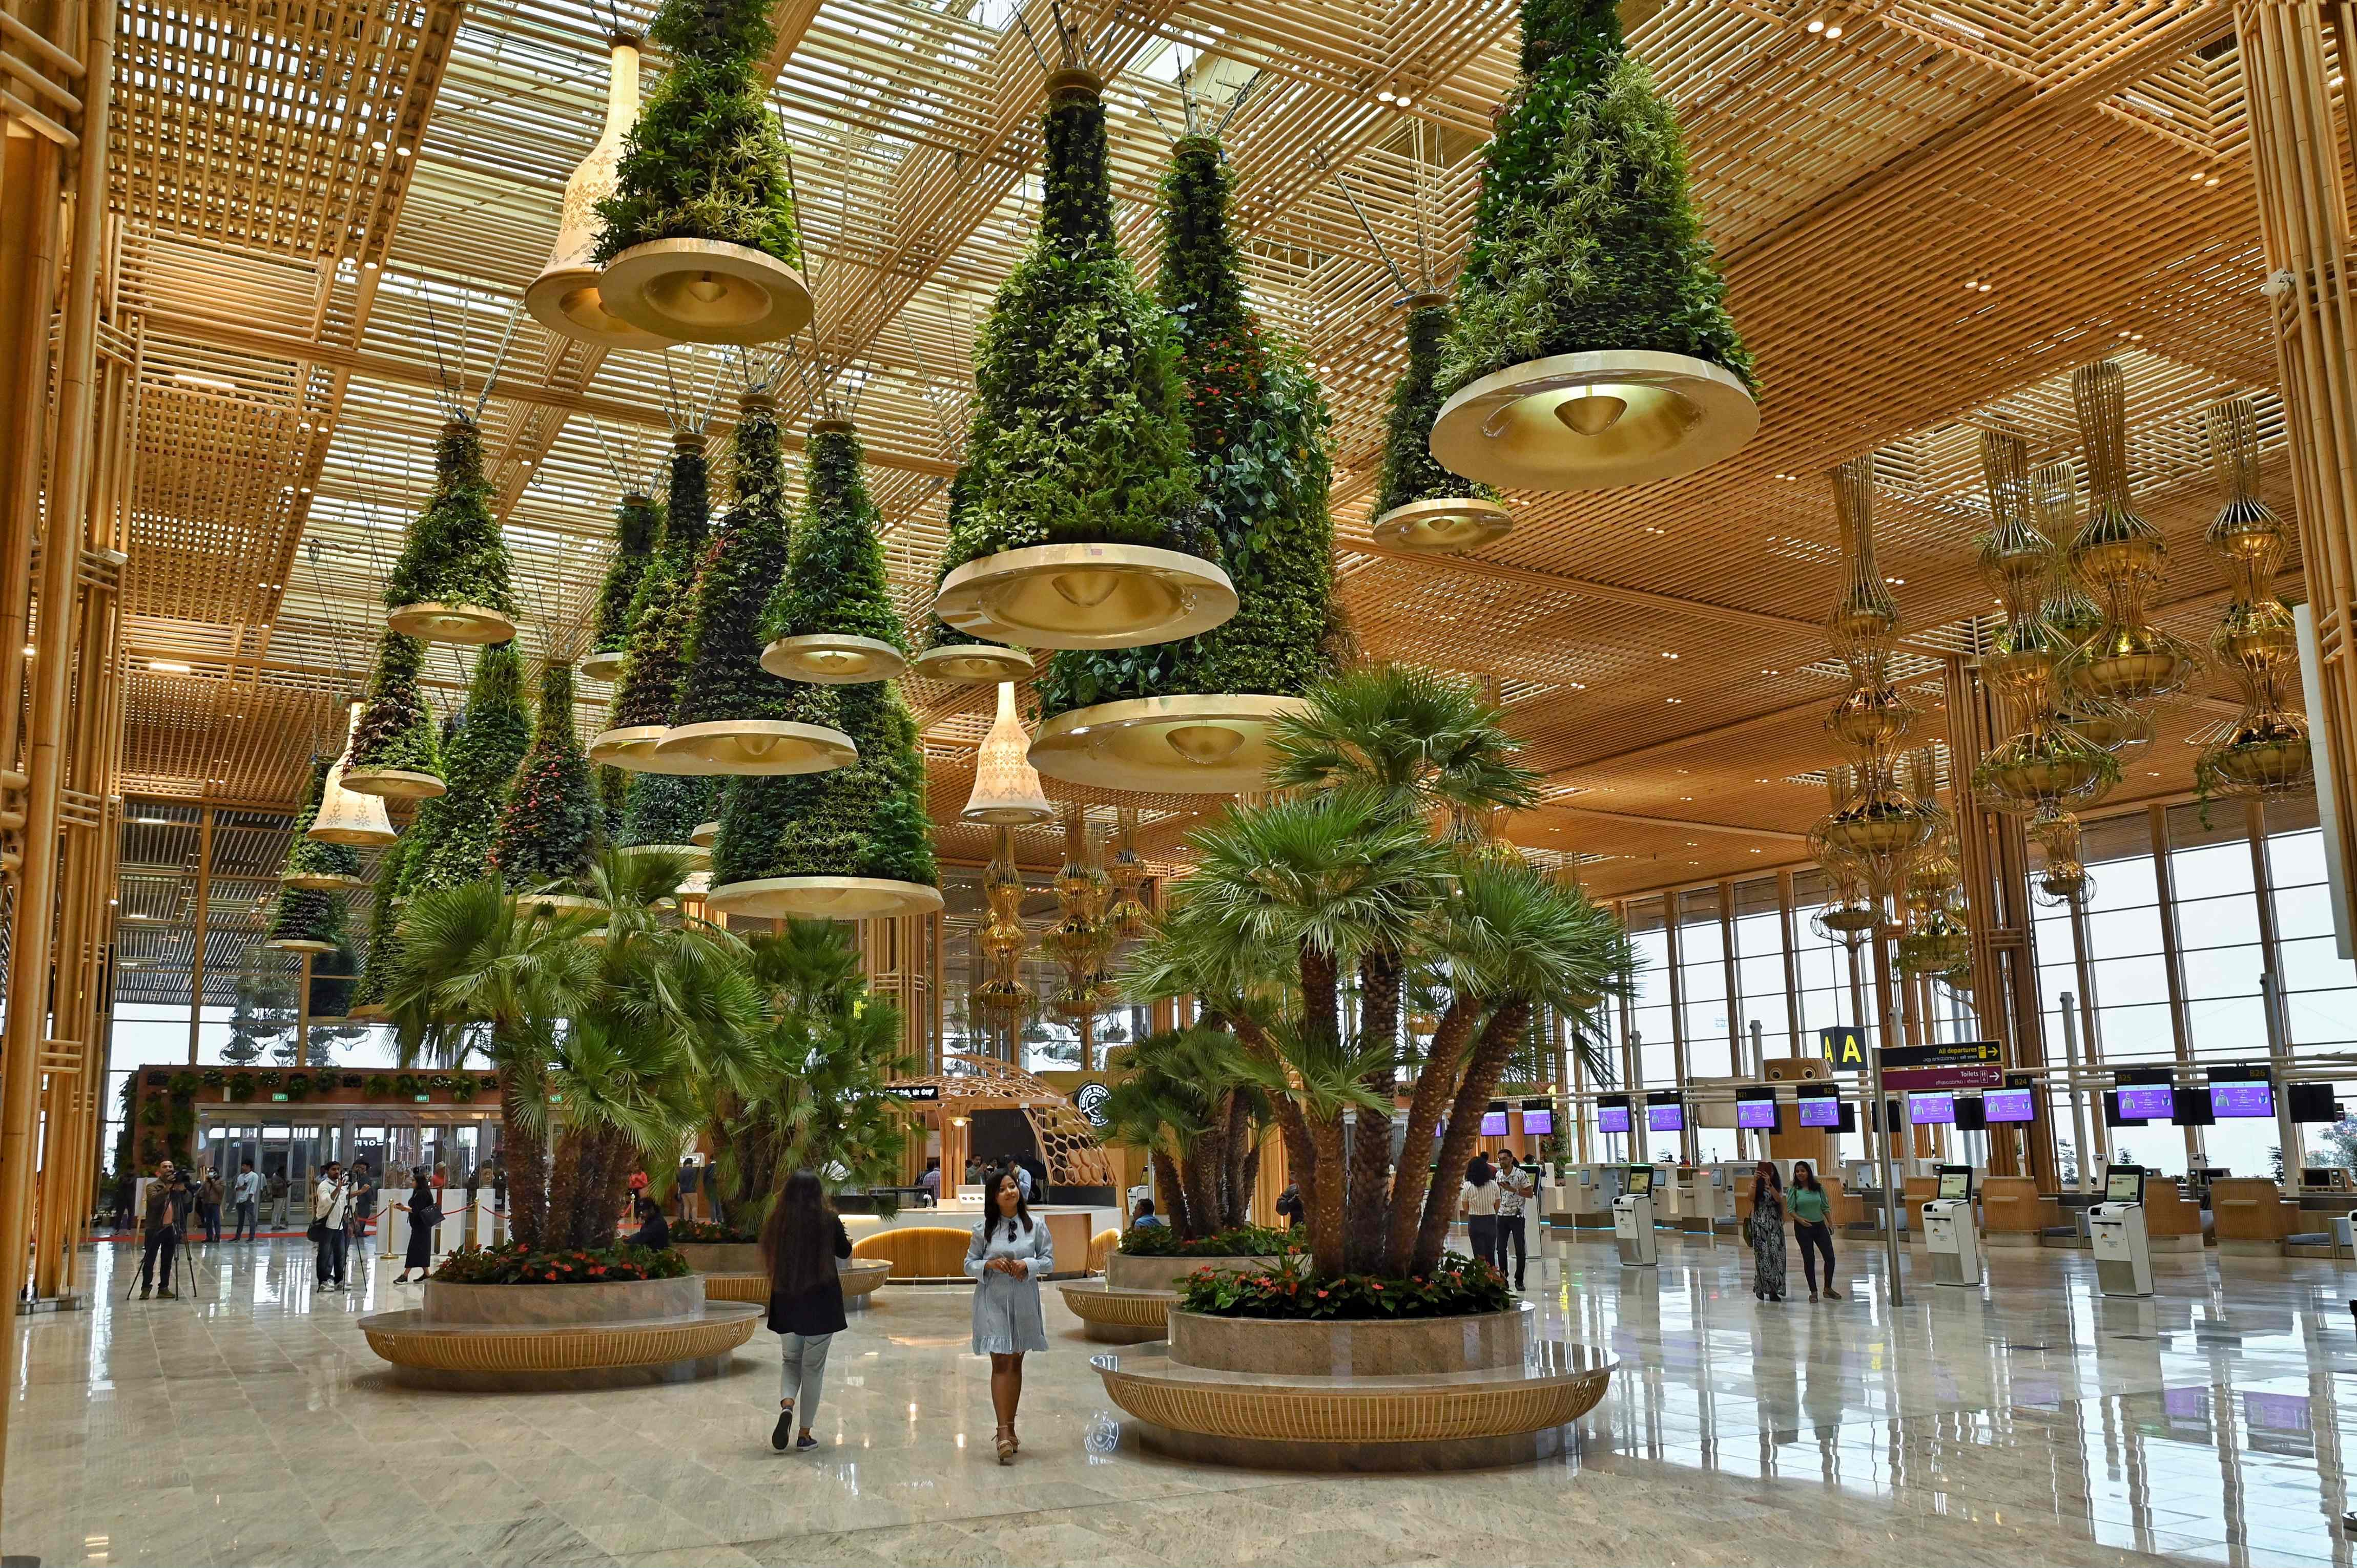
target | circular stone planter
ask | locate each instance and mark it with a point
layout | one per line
(1131, 1304)
(490, 1338)
(732, 1270)
(1388, 1394)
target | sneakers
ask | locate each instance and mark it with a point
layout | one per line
(143, 1290)
(806, 1441)
(167, 1295)
(784, 1433)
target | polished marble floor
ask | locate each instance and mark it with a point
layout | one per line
(2034, 1421)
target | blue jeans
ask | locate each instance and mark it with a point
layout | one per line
(245, 1221)
(330, 1267)
(805, 1372)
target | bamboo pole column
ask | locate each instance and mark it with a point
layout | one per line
(203, 915)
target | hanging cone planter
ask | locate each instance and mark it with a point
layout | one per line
(1422, 506)
(661, 617)
(1082, 530)
(394, 749)
(564, 298)
(385, 935)
(548, 830)
(731, 718)
(851, 844)
(699, 244)
(1196, 716)
(451, 840)
(305, 921)
(1592, 346)
(638, 524)
(451, 583)
(831, 622)
(952, 656)
(346, 816)
(1006, 791)
(313, 864)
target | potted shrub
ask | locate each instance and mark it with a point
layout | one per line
(451, 839)
(395, 749)
(832, 620)
(548, 829)
(450, 581)
(638, 521)
(1419, 505)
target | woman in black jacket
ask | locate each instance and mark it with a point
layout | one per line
(425, 1214)
(800, 1244)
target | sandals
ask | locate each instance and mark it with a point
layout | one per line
(1007, 1445)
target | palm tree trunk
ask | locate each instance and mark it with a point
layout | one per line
(1491, 1052)
(1247, 1178)
(1326, 1257)
(1236, 1201)
(1167, 1181)
(1435, 1087)
(1202, 1172)
(611, 1196)
(1300, 1151)
(564, 1189)
(1371, 1141)
(524, 1159)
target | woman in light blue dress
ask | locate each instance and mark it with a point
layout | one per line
(1007, 1258)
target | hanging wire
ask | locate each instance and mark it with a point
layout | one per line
(1318, 161)
(1236, 105)
(498, 359)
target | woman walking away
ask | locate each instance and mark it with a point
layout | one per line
(1477, 1200)
(800, 1245)
(1009, 1255)
(424, 1215)
(1765, 1231)
(1811, 1229)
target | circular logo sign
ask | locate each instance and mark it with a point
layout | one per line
(1090, 1099)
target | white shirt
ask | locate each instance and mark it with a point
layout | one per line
(1482, 1200)
(249, 1186)
(328, 1202)
(1514, 1188)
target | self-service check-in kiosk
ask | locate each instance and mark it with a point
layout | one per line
(1950, 1237)
(2115, 1227)
(1632, 1220)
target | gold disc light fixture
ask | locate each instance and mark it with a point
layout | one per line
(767, 746)
(1182, 746)
(827, 897)
(706, 291)
(1085, 595)
(1594, 420)
(973, 664)
(564, 298)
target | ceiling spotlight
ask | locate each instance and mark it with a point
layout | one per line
(166, 667)
(1833, 31)
(1385, 96)
(1817, 24)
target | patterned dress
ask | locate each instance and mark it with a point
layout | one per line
(1006, 1307)
(1765, 1231)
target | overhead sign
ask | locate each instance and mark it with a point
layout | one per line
(914, 1090)
(1844, 1048)
(1089, 1100)
(1956, 1064)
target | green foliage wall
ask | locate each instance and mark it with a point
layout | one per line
(707, 160)
(309, 857)
(302, 915)
(665, 807)
(1411, 473)
(1079, 436)
(1585, 236)
(662, 616)
(384, 923)
(454, 555)
(551, 825)
(837, 582)
(724, 678)
(397, 730)
(1257, 425)
(937, 632)
(454, 831)
(613, 798)
(638, 524)
(866, 820)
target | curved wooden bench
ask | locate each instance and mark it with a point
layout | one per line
(932, 1253)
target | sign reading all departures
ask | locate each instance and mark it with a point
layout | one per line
(1954, 1064)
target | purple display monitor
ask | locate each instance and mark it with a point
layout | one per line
(2006, 1104)
(2246, 1097)
(1538, 1124)
(1760, 1113)
(1924, 1110)
(1820, 1109)
(2149, 1101)
(1665, 1118)
(1612, 1119)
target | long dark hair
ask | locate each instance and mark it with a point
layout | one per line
(1803, 1177)
(798, 1242)
(1764, 1181)
(1022, 1207)
(1480, 1171)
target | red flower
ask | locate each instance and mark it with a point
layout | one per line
(1374, 1284)
(1321, 1296)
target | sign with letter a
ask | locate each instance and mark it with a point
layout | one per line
(1845, 1049)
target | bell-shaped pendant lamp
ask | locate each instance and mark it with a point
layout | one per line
(346, 816)
(1005, 786)
(564, 297)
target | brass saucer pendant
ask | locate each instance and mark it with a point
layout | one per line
(394, 783)
(752, 747)
(564, 298)
(706, 835)
(1182, 746)
(472, 624)
(1085, 595)
(1595, 419)
(832, 659)
(972, 664)
(706, 291)
(605, 666)
(323, 882)
(1448, 526)
(631, 748)
(299, 944)
(826, 897)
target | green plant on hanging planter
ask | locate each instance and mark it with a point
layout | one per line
(836, 580)
(385, 927)
(550, 827)
(637, 525)
(396, 731)
(1080, 432)
(613, 798)
(706, 159)
(667, 808)
(1410, 472)
(662, 615)
(1585, 236)
(1258, 422)
(724, 679)
(866, 820)
(309, 858)
(454, 555)
(302, 915)
(454, 831)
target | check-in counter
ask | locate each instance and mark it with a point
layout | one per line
(2014, 1213)
(2172, 1221)
(2250, 1216)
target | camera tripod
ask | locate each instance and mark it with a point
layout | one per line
(183, 1265)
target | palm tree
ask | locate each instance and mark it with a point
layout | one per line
(1186, 1101)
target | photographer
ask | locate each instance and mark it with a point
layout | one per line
(330, 1203)
(167, 1205)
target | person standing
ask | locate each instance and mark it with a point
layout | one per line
(360, 1211)
(1813, 1226)
(331, 1200)
(423, 1213)
(210, 1193)
(161, 1232)
(1765, 1231)
(691, 1182)
(246, 1193)
(931, 1182)
(279, 1187)
(800, 1245)
(1513, 1196)
(1009, 1255)
(1476, 1205)
(1289, 1207)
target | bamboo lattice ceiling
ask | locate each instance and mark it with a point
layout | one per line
(319, 202)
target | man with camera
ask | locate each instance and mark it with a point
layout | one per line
(169, 1197)
(329, 1205)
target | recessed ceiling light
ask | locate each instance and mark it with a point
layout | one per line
(1817, 24)
(1385, 96)
(1833, 31)
(1668, 655)
(1677, 699)
(166, 667)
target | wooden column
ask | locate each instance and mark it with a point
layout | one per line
(1734, 992)
(30, 226)
(1677, 1020)
(204, 913)
(1787, 932)
(2172, 958)
(2279, 1051)
(2297, 134)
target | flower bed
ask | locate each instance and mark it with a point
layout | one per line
(705, 1230)
(1459, 1288)
(1237, 1241)
(515, 1264)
